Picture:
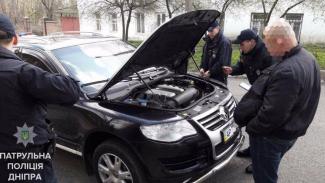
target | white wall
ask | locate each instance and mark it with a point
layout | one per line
(311, 32)
(88, 23)
(235, 21)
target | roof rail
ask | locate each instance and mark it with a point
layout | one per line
(77, 34)
(60, 36)
(33, 39)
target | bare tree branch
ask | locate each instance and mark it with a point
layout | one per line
(224, 6)
(271, 11)
(49, 9)
(168, 9)
(264, 10)
(289, 8)
(173, 6)
(124, 7)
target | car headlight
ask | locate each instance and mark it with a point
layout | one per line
(168, 132)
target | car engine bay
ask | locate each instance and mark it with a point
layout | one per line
(170, 93)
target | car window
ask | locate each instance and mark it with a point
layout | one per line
(94, 62)
(35, 61)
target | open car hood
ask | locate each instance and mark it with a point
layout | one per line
(169, 46)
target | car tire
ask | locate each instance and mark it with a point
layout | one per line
(117, 159)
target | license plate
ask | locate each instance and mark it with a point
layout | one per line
(227, 133)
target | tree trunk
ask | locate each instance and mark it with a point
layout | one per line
(289, 8)
(270, 13)
(222, 20)
(123, 24)
(168, 9)
(128, 25)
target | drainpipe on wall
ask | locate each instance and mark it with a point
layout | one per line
(45, 28)
(189, 5)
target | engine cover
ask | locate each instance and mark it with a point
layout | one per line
(159, 92)
(173, 96)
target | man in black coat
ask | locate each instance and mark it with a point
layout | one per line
(216, 54)
(283, 102)
(254, 58)
(26, 139)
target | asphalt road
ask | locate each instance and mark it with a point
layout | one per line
(304, 163)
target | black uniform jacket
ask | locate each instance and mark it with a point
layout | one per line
(24, 92)
(253, 63)
(216, 53)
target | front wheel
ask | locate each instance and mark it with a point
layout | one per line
(114, 163)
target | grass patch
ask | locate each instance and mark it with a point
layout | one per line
(318, 50)
(134, 42)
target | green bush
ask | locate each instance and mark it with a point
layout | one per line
(318, 50)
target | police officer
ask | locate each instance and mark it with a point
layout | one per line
(254, 59)
(217, 52)
(24, 92)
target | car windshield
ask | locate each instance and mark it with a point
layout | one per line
(94, 63)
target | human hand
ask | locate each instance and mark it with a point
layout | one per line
(207, 74)
(201, 72)
(227, 70)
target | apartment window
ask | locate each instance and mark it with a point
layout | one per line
(113, 22)
(257, 23)
(295, 20)
(98, 21)
(161, 18)
(140, 22)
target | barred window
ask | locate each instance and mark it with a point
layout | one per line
(295, 20)
(257, 23)
(98, 21)
(113, 22)
(161, 18)
(140, 22)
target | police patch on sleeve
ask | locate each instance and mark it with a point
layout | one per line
(25, 135)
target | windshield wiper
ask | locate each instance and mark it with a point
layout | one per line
(125, 52)
(92, 83)
(116, 54)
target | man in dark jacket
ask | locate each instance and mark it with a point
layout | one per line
(288, 98)
(254, 59)
(25, 136)
(216, 54)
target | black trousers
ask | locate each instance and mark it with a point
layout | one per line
(266, 156)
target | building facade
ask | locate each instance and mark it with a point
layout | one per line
(143, 23)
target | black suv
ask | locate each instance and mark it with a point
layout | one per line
(142, 118)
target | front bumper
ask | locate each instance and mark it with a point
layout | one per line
(186, 161)
(194, 158)
(232, 152)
